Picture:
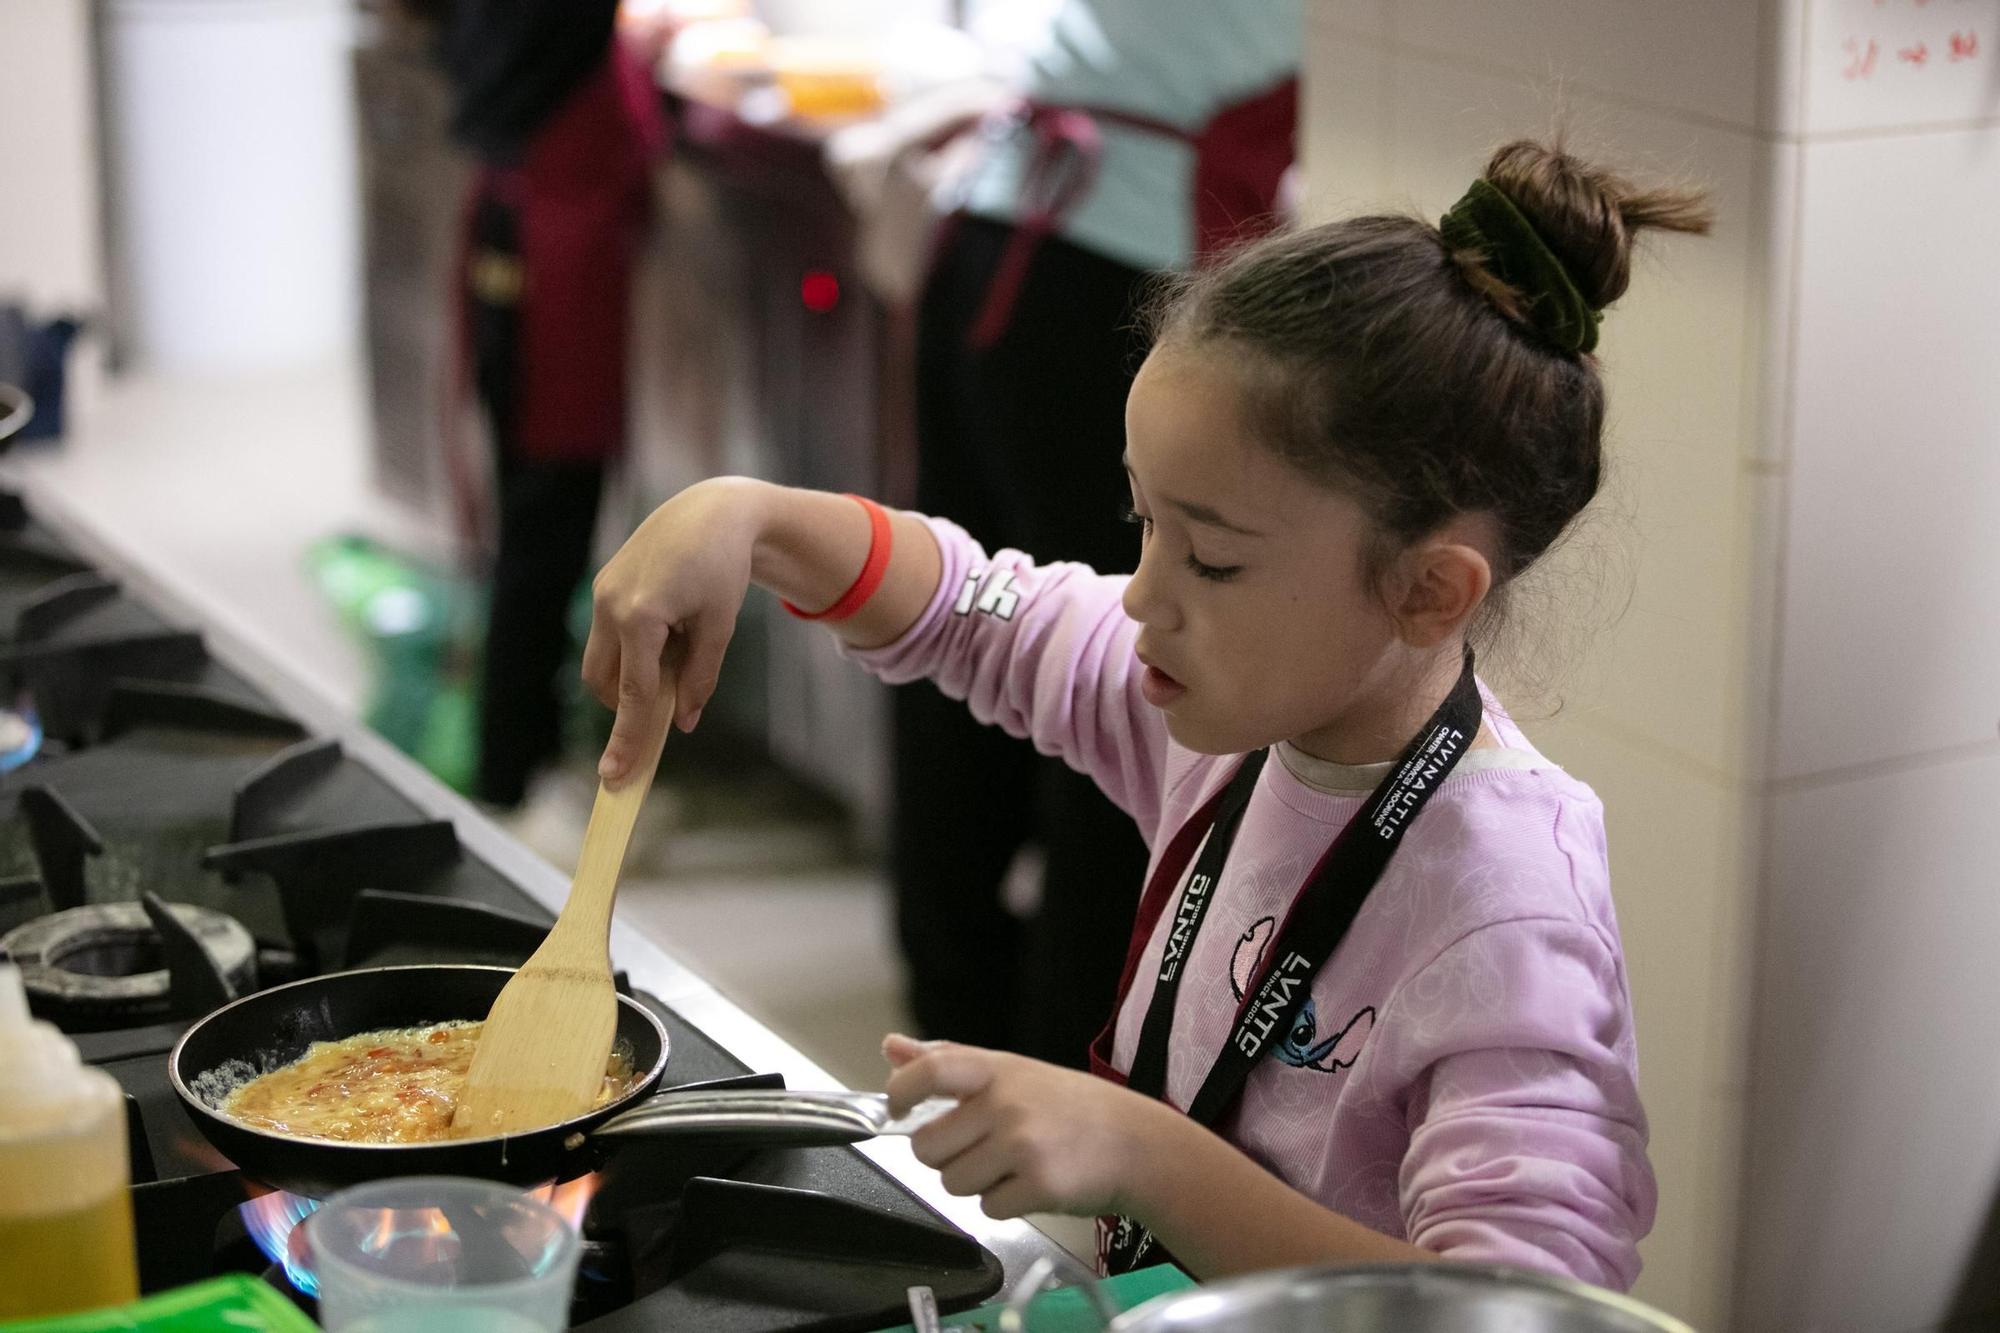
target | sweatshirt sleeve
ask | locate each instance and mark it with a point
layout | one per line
(1044, 652)
(1527, 1139)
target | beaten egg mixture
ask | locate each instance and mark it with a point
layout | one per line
(378, 1087)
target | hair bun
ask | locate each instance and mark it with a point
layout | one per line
(1588, 215)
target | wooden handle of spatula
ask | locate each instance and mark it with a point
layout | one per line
(586, 913)
(542, 1055)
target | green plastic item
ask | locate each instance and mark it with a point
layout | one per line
(238, 1303)
(1065, 1310)
(422, 628)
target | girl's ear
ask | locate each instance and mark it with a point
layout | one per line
(1443, 579)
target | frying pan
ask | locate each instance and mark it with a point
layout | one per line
(261, 1032)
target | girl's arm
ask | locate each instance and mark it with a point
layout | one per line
(1220, 1213)
(1527, 1146)
(1031, 1137)
(687, 568)
(1042, 651)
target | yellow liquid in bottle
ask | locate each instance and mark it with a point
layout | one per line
(75, 1260)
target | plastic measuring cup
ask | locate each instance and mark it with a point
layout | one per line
(441, 1254)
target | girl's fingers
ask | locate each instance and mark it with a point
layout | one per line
(600, 663)
(944, 1070)
(1013, 1197)
(707, 642)
(639, 649)
(950, 1135)
(899, 1050)
(978, 1169)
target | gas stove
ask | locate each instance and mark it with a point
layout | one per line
(176, 839)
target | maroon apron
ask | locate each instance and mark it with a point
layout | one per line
(1240, 156)
(580, 192)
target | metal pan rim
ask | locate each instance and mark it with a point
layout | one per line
(575, 1125)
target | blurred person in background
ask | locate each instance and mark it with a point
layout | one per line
(1148, 134)
(562, 116)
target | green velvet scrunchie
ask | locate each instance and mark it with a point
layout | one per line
(1486, 220)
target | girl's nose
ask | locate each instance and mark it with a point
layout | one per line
(1144, 601)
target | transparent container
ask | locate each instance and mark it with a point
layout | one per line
(65, 1209)
(441, 1254)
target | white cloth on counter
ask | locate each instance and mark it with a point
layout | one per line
(889, 169)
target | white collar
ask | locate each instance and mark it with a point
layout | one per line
(1323, 775)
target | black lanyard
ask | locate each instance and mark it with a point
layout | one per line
(1321, 912)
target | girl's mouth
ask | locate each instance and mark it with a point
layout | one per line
(1158, 688)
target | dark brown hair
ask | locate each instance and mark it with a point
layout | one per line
(1383, 363)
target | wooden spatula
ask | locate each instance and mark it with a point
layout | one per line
(541, 1056)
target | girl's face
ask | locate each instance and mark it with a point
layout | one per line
(1258, 622)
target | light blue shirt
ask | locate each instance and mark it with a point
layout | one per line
(1177, 61)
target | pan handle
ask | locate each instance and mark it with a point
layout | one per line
(770, 1116)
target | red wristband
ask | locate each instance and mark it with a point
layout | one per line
(880, 539)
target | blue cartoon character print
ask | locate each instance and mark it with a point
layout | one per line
(1301, 1047)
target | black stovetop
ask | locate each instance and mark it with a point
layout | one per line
(165, 773)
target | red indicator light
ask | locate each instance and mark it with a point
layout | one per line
(819, 291)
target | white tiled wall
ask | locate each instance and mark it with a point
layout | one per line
(1694, 58)
(1903, 64)
(1892, 618)
(1873, 1150)
(1876, 1152)
(1651, 624)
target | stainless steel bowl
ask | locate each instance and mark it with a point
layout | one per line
(1403, 1298)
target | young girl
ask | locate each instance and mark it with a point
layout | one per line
(1375, 1006)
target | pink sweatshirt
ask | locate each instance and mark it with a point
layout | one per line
(1465, 1074)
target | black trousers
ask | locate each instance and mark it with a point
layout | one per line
(1019, 443)
(547, 513)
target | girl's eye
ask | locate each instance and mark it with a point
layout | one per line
(1214, 573)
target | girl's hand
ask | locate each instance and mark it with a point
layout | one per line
(684, 572)
(1028, 1137)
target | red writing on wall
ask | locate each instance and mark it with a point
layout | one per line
(1859, 54)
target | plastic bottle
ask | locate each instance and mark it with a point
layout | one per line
(65, 1209)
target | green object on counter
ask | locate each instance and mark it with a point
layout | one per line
(1065, 1310)
(423, 629)
(239, 1303)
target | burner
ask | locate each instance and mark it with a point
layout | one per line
(104, 966)
(273, 1220)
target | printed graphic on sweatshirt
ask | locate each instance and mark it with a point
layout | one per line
(1302, 1047)
(990, 592)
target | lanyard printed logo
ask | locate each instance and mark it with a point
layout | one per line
(1187, 919)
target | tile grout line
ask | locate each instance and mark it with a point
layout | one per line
(1764, 863)
(1515, 74)
(1663, 110)
(1907, 130)
(1895, 766)
(1635, 738)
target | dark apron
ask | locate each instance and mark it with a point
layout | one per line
(551, 247)
(1240, 156)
